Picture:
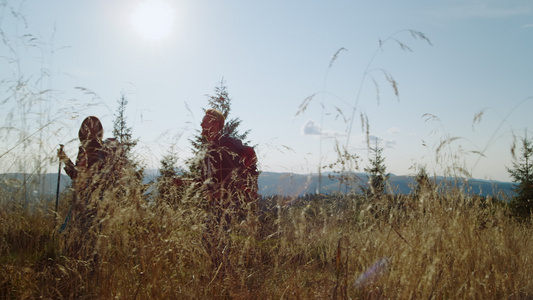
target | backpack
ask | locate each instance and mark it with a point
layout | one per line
(243, 156)
(235, 165)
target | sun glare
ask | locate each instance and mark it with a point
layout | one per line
(153, 20)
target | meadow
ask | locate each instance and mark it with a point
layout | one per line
(442, 245)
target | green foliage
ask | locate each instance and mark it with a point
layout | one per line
(121, 131)
(167, 190)
(169, 164)
(222, 102)
(377, 176)
(423, 183)
(124, 136)
(522, 173)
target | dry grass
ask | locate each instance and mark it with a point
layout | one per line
(447, 246)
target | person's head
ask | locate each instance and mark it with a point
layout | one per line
(91, 129)
(212, 124)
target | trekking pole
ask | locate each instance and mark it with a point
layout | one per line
(58, 181)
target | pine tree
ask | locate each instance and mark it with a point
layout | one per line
(166, 188)
(522, 173)
(222, 102)
(377, 176)
(123, 134)
(424, 184)
(121, 131)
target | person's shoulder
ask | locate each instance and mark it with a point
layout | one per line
(230, 141)
(238, 146)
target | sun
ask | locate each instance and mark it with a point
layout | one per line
(153, 20)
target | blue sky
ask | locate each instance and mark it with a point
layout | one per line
(274, 54)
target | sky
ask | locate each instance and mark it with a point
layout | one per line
(463, 72)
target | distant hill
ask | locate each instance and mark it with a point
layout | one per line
(297, 184)
(291, 184)
(35, 185)
(270, 183)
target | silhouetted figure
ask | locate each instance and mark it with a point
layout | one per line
(228, 175)
(229, 170)
(91, 175)
(229, 166)
(91, 153)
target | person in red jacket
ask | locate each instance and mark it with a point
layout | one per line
(228, 171)
(229, 176)
(229, 166)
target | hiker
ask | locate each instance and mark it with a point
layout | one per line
(228, 172)
(228, 177)
(89, 178)
(90, 153)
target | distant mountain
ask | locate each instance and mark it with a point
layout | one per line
(33, 185)
(270, 183)
(290, 184)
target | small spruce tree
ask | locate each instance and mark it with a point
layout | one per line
(522, 174)
(121, 131)
(423, 184)
(222, 102)
(377, 176)
(124, 136)
(167, 190)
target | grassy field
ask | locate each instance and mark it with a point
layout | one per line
(443, 246)
(438, 245)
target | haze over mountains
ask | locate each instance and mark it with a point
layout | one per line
(289, 184)
(271, 183)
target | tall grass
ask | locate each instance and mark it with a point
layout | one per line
(30, 125)
(441, 246)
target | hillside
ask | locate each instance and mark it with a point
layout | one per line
(270, 183)
(290, 184)
(33, 185)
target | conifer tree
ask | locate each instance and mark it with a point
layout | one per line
(121, 131)
(124, 136)
(522, 174)
(222, 102)
(166, 188)
(377, 176)
(424, 184)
